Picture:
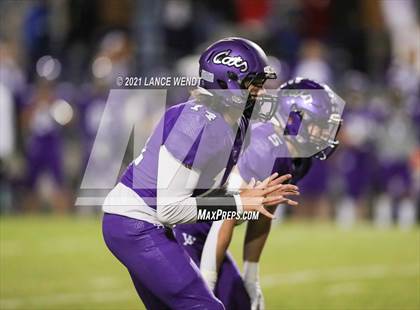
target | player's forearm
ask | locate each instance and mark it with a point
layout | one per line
(256, 235)
(208, 263)
(177, 212)
(223, 240)
(217, 242)
(255, 238)
(193, 209)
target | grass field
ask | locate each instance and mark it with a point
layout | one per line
(62, 263)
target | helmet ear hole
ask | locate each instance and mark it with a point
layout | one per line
(222, 84)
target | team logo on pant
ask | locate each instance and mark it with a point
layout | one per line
(188, 239)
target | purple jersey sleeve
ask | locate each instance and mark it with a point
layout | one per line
(194, 135)
(266, 154)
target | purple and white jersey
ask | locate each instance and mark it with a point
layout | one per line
(194, 135)
(266, 154)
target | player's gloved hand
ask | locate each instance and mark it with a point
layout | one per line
(252, 285)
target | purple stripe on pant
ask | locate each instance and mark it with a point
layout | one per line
(164, 275)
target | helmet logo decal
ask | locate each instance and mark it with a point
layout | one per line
(230, 61)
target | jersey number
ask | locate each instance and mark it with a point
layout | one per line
(275, 139)
(210, 116)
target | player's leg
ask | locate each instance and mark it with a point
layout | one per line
(149, 299)
(158, 263)
(230, 288)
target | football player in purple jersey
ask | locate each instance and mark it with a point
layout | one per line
(191, 150)
(302, 103)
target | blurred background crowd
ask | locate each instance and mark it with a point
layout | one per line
(59, 60)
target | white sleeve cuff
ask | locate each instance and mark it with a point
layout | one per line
(238, 201)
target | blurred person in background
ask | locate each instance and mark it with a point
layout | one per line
(44, 149)
(113, 59)
(91, 103)
(312, 63)
(395, 144)
(356, 153)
